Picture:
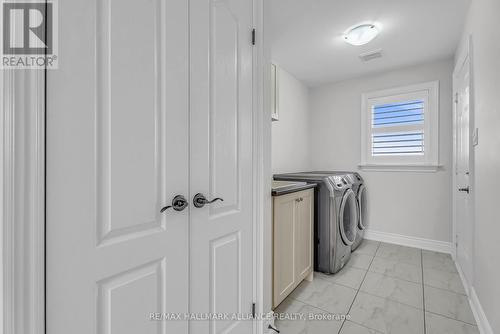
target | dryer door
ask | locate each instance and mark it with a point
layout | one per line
(363, 219)
(348, 217)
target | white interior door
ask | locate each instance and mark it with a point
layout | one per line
(463, 206)
(221, 162)
(117, 152)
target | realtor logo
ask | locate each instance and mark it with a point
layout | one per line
(29, 34)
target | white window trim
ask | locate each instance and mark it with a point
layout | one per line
(430, 160)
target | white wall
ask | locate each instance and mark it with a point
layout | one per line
(290, 135)
(407, 203)
(482, 24)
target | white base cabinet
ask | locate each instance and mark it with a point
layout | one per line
(293, 231)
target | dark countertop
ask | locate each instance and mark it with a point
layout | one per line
(292, 188)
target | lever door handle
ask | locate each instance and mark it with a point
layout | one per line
(464, 189)
(199, 200)
(179, 203)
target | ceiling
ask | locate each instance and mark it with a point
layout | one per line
(306, 35)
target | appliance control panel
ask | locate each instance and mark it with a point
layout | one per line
(353, 178)
(338, 181)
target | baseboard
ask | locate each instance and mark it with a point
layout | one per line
(465, 283)
(482, 322)
(403, 240)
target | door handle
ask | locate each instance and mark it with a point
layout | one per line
(179, 203)
(465, 189)
(199, 200)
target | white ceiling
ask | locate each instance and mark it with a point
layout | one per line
(306, 35)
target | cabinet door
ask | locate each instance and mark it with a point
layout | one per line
(304, 235)
(284, 269)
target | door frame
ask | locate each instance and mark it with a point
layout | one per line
(22, 196)
(464, 55)
(262, 173)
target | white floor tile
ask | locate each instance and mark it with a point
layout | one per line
(386, 316)
(382, 286)
(448, 304)
(401, 291)
(401, 253)
(436, 324)
(333, 298)
(439, 261)
(444, 280)
(397, 269)
(348, 276)
(296, 318)
(361, 261)
(368, 247)
(353, 328)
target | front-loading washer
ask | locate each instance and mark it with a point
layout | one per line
(359, 188)
(336, 218)
(362, 215)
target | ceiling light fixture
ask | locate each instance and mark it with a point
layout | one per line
(361, 34)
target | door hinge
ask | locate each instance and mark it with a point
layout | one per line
(456, 97)
(253, 310)
(253, 36)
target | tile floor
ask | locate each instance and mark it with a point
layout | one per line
(384, 288)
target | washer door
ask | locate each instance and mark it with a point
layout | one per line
(362, 208)
(348, 217)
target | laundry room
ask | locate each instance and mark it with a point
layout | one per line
(370, 119)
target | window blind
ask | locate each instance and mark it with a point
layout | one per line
(397, 128)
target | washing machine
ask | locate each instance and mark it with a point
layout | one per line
(336, 218)
(359, 188)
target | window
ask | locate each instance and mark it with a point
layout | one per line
(400, 127)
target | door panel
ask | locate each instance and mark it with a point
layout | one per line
(224, 108)
(122, 289)
(117, 152)
(226, 280)
(128, 120)
(221, 161)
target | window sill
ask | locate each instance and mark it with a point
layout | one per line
(400, 168)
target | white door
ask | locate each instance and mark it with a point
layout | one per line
(464, 220)
(117, 152)
(221, 162)
(153, 99)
